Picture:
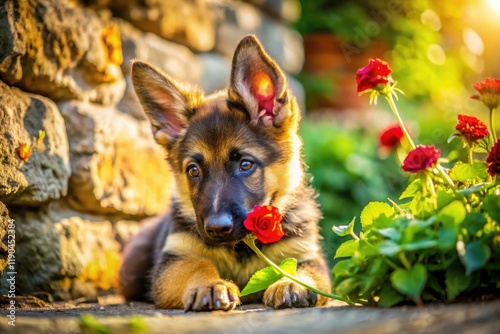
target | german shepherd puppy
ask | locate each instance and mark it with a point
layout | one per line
(228, 151)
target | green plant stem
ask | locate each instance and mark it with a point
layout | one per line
(445, 176)
(430, 184)
(470, 155)
(404, 261)
(390, 99)
(250, 241)
(390, 263)
(492, 125)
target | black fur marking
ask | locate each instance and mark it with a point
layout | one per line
(238, 107)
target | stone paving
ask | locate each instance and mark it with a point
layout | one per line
(474, 318)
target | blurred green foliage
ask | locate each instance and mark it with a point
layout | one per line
(331, 16)
(346, 168)
(346, 173)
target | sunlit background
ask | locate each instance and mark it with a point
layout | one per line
(437, 50)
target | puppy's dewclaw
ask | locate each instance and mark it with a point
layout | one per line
(229, 152)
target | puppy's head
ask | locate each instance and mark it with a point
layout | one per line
(231, 150)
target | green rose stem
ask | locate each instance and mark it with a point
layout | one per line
(492, 125)
(390, 99)
(250, 241)
(429, 184)
(445, 176)
(470, 155)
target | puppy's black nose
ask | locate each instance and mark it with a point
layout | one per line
(219, 225)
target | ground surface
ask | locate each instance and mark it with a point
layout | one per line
(477, 317)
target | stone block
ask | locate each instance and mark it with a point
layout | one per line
(117, 167)
(4, 222)
(61, 254)
(190, 23)
(174, 59)
(44, 175)
(216, 72)
(286, 10)
(60, 50)
(239, 19)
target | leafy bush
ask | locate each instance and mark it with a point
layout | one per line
(347, 174)
(443, 238)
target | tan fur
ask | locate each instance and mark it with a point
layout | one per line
(176, 284)
(193, 268)
(225, 260)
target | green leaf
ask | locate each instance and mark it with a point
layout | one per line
(452, 214)
(420, 244)
(389, 248)
(375, 212)
(468, 173)
(453, 136)
(345, 268)
(423, 224)
(289, 265)
(137, 324)
(366, 248)
(412, 189)
(456, 281)
(444, 198)
(260, 280)
(483, 146)
(347, 249)
(390, 233)
(263, 278)
(347, 286)
(410, 283)
(388, 296)
(475, 256)
(479, 149)
(474, 189)
(447, 237)
(474, 222)
(92, 324)
(491, 204)
(422, 206)
(343, 230)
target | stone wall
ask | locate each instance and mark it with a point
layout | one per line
(79, 167)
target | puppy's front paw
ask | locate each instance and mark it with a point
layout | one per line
(218, 295)
(286, 293)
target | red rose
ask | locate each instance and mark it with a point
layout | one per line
(265, 223)
(489, 92)
(421, 158)
(493, 160)
(391, 137)
(377, 72)
(471, 128)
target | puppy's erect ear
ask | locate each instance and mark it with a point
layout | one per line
(258, 83)
(167, 103)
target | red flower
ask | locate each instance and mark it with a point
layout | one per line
(493, 160)
(391, 137)
(471, 128)
(24, 152)
(265, 223)
(377, 72)
(489, 92)
(421, 158)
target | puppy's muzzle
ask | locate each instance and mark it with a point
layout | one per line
(219, 226)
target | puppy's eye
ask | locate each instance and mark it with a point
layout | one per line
(193, 170)
(245, 165)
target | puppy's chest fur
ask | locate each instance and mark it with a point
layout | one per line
(238, 264)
